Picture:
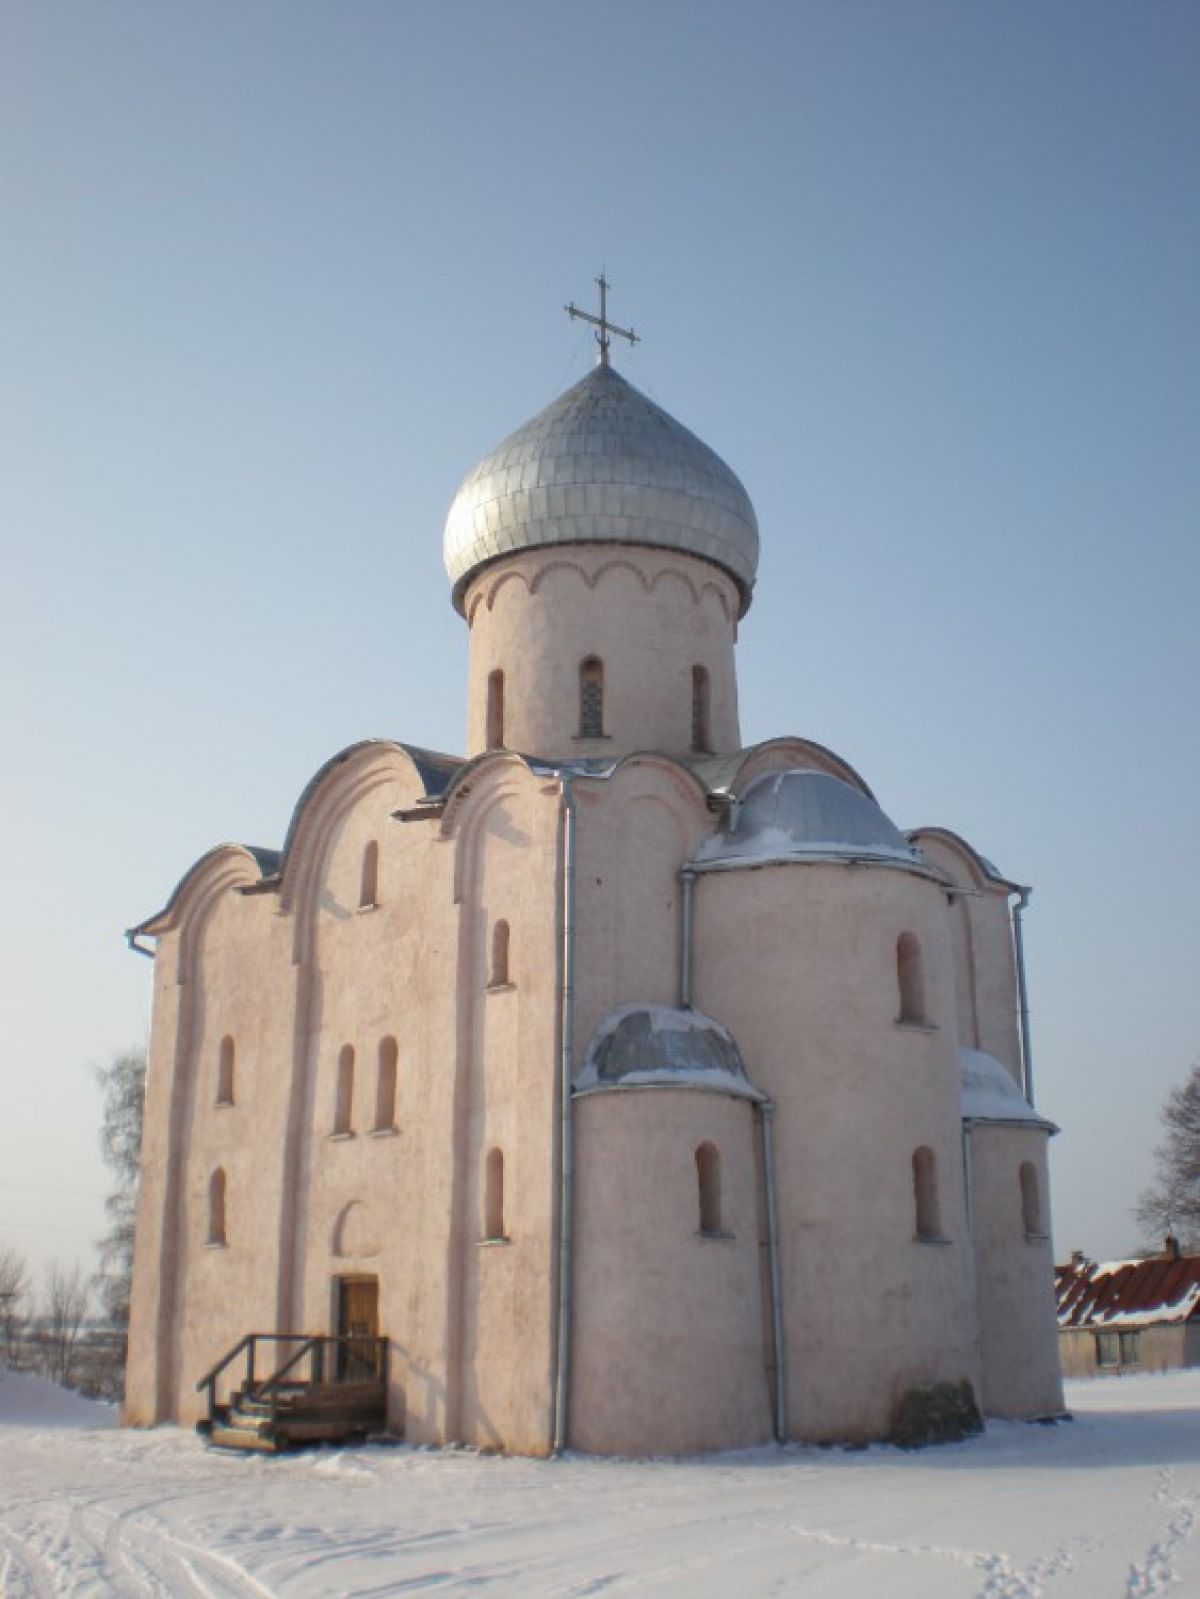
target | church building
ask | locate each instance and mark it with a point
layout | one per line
(647, 1093)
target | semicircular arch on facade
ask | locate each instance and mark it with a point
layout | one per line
(339, 786)
(973, 868)
(355, 1232)
(218, 871)
(683, 781)
(790, 754)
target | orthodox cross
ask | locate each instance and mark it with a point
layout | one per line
(601, 322)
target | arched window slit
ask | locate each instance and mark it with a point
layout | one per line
(493, 1196)
(216, 1207)
(225, 1060)
(708, 1180)
(1031, 1200)
(495, 710)
(499, 976)
(925, 1193)
(910, 979)
(385, 1086)
(368, 894)
(591, 698)
(343, 1108)
(701, 737)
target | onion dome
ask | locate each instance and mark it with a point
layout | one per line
(806, 815)
(602, 464)
(658, 1046)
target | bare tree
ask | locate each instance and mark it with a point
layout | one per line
(1171, 1205)
(65, 1301)
(14, 1303)
(123, 1084)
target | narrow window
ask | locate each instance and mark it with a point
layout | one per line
(495, 710)
(216, 1207)
(708, 1178)
(368, 893)
(910, 979)
(1107, 1349)
(591, 698)
(385, 1086)
(225, 1072)
(700, 733)
(493, 1195)
(1130, 1345)
(925, 1192)
(1031, 1200)
(344, 1103)
(499, 977)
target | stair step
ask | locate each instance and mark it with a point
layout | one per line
(226, 1437)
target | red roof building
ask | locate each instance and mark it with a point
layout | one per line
(1128, 1315)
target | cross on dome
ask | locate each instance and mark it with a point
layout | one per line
(605, 326)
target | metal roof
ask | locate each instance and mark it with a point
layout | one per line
(602, 464)
(660, 1046)
(1128, 1293)
(806, 815)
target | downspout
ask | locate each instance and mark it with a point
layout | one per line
(687, 878)
(1023, 898)
(766, 1119)
(968, 1159)
(566, 1027)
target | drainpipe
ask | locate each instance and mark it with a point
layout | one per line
(766, 1120)
(1023, 898)
(687, 878)
(968, 1158)
(566, 1024)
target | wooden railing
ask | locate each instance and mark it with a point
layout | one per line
(356, 1360)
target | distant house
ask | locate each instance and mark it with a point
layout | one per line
(1128, 1315)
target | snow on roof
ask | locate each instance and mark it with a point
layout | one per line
(806, 815)
(659, 1046)
(990, 1093)
(1123, 1293)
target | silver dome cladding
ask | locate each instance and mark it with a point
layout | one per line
(806, 815)
(602, 463)
(660, 1046)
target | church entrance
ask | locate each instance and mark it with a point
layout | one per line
(358, 1322)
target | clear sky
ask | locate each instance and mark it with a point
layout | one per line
(927, 275)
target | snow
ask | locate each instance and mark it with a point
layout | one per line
(1105, 1507)
(989, 1092)
(665, 1047)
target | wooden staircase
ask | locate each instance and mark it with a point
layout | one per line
(321, 1388)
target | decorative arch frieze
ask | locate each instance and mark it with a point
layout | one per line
(559, 565)
(657, 567)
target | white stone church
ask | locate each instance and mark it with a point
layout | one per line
(644, 1092)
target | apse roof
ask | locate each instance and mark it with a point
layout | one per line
(806, 815)
(659, 1046)
(602, 463)
(991, 1094)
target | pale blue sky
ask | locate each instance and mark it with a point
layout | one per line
(926, 275)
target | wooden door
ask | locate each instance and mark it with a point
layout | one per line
(358, 1321)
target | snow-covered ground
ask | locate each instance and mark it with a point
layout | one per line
(1102, 1508)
